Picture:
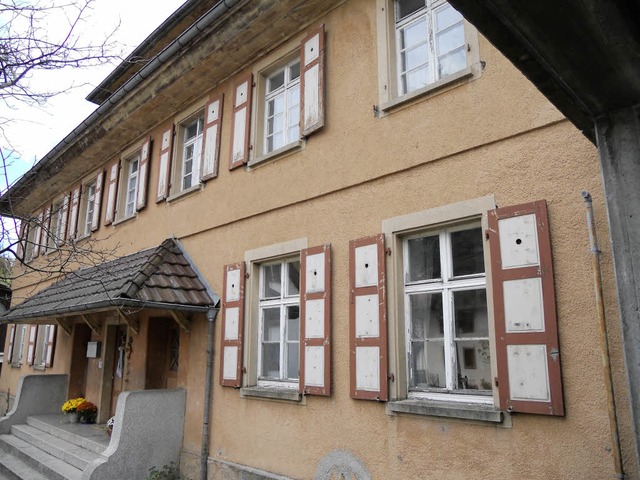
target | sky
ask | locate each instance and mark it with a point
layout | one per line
(34, 130)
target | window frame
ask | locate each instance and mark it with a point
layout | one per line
(396, 230)
(40, 352)
(284, 90)
(389, 91)
(56, 234)
(87, 206)
(124, 181)
(17, 354)
(195, 114)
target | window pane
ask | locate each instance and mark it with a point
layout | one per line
(474, 365)
(293, 278)
(467, 251)
(294, 100)
(415, 80)
(424, 258)
(293, 360)
(294, 71)
(275, 81)
(271, 324)
(427, 365)
(191, 130)
(470, 313)
(447, 16)
(426, 316)
(449, 40)
(293, 323)
(271, 360)
(452, 63)
(415, 57)
(407, 7)
(271, 281)
(414, 34)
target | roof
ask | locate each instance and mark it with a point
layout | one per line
(160, 277)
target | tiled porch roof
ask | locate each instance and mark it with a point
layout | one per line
(160, 277)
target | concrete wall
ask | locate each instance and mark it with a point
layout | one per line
(495, 135)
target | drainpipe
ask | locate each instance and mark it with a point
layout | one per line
(208, 393)
(604, 341)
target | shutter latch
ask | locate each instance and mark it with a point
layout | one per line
(555, 353)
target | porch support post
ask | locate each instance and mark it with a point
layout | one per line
(182, 320)
(618, 136)
(92, 321)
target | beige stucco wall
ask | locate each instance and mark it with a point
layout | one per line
(495, 135)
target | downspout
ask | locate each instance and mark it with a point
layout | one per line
(208, 393)
(604, 340)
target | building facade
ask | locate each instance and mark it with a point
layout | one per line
(382, 215)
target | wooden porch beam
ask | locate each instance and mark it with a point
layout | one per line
(65, 324)
(92, 321)
(181, 319)
(130, 320)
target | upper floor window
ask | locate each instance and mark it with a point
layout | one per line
(58, 225)
(131, 185)
(191, 152)
(89, 207)
(282, 107)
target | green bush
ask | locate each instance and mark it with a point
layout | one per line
(168, 472)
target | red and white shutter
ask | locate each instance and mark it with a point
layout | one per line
(312, 82)
(50, 346)
(65, 219)
(143, 175)
(241, 122)
(97, 202)
(164, 173)
(75, 211)
(232, 325)
(12, 337)
(528, 357)
(315, 321)
(31, 344)
(37, 238)
(211, 147)
(368, 319)
(112, 191)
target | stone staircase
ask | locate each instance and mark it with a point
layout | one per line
(48, 448)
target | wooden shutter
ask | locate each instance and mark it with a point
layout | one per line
(315, 321)
(37, 238)
(65, 219)
(75, 211)
(241, 122)
(528, 358)
(312, 82)
(97, 202)
(211, 138)
(12, 337)
(143, 175)
(232, 326)
(31, 344)
(164, 173)
(368, 319)
(22, 239)
(112, 193)
(50, 346)
(46, 229)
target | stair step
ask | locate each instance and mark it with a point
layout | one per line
(48, 465)
(71, 453)
(12, 468)
(96, 443)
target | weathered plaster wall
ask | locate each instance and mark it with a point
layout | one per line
(492, 136)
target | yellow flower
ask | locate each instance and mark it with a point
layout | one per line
(71, 404)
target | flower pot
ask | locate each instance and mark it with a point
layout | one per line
(73, 417)
(87, 418)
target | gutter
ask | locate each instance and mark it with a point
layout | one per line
(149, 69)
(208, 395)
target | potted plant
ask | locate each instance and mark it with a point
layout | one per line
(70, 407)
(87, 412)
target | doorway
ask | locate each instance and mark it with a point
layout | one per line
(163, 354)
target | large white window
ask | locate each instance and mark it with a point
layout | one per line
(44, 346)
(191, 152)
(430, 42)
(88, 207)
(132, 164)
(279, 314)
(18, 344)
(445, 305)
(282, 107)
(58, 224)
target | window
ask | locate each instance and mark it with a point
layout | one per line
(446, 324)
(188, 170)
(58, 225)
(279, 313)
(86, 201)
(424, 45)
(17, 344)
(282, 107)
(131, 185)
(89, 207)
(44, 345)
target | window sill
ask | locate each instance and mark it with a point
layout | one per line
(462, 410)
(435, 87)
(184, 193)
(39, 367)
(281, 152)
(16, 365)
(122, 220)
(274, 393)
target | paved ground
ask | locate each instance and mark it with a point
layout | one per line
(96, 432)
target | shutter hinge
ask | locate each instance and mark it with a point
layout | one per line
(244, 369)
(555, 353)
(376, 111)
(387, 251)
(392, 377)
(246, 274)
(495, 381)
(486, 234)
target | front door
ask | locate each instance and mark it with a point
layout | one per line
(163, 353)
(119, 352)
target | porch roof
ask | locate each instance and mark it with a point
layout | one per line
(161, 277)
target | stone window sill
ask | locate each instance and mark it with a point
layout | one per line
(120, 221)
(466, 411)
(287, 394)
(183, 193)
(281, 152)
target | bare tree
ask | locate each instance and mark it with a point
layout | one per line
(37, 36)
